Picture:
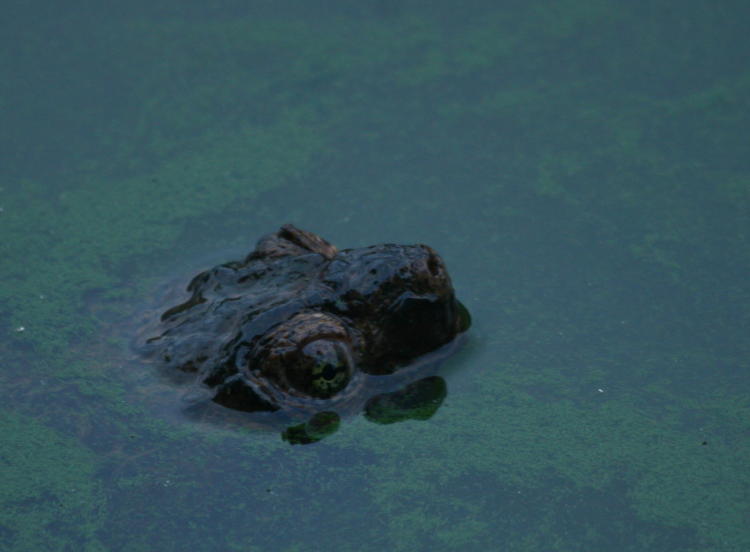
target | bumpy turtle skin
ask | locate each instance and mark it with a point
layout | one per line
(297, 320)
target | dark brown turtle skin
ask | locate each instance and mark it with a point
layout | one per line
(300, 325)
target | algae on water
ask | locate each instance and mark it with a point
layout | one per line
(48, 488)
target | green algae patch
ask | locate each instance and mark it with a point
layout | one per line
(59, 246)
(50, 498)
(78, 257)
(511, 456)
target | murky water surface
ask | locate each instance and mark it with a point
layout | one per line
(583, 168)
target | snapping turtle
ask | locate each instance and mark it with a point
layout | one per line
(301, 328)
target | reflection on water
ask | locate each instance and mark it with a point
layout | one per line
(417, 400)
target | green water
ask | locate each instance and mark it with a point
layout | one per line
(583, 167)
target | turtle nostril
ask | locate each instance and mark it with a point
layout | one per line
(433, 265)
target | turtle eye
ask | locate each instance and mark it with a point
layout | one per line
(322, 369)
(329, 372)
